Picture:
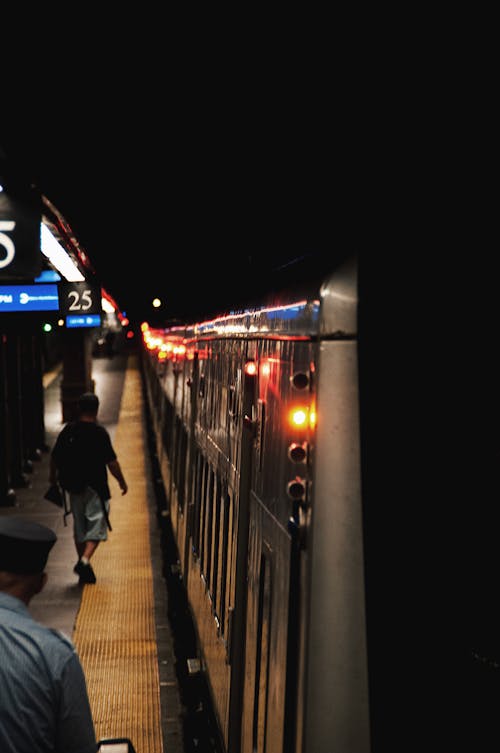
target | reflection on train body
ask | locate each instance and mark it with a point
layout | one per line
(256, 420)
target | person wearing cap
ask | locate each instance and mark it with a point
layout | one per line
(89, 499)
(44, 705)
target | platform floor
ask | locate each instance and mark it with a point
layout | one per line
(119, 625)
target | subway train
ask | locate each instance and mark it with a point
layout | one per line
(257, 426)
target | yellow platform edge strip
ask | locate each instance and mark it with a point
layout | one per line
(115, 633)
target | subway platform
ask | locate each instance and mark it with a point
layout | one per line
(120, 625)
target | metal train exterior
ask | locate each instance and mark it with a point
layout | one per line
(256, 419)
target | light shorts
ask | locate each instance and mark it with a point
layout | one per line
(89, 523)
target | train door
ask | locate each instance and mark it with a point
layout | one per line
(240, 562)
(277, 498)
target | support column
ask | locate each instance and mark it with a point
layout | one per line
(18, 468)
(32, 398)
(7, 493)
(77, 370)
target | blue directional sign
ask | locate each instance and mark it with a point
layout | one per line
(39, 297)
(85, 320)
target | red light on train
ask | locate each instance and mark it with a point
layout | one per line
(130, 334)
(265, 369)
(250, 368)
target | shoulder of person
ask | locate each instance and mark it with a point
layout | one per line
(102, 430)
(62, 639)
(68, 429)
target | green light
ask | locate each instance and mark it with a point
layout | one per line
(47, 327)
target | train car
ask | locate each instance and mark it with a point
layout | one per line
(256, 418)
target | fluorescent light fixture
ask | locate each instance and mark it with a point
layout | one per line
(58, 257)
(106, 306)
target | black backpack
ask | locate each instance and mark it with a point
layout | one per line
(71, 461)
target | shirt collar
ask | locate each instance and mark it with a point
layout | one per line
(13, 603)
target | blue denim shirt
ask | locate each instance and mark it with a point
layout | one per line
(44, 706)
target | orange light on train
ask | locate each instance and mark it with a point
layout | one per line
(302, 417)
(250, 368)
(299, 417)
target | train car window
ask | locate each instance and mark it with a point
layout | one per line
(232, 401)
(215, 544)
(259, 438)
(197, 476)
(209, 512)
(212, 396)
(175, 450)
(203, 500)
(167, 429)
(229, 566)
(224, 554)
(262, 658)
(180, 474)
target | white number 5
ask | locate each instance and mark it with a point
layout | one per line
(7, 243)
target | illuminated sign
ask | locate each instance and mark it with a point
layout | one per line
(80, 298)
(20, 217)
(28, 298)
(89, 320)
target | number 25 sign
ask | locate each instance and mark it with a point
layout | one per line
(79, 298)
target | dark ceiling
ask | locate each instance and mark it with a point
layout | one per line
(201, 197)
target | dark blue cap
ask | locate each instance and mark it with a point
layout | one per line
(24, 545)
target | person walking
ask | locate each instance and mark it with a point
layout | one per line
(80, 459)
(44, 703)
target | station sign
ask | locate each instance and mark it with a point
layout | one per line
(39, 297)
(20, 218)
(79, 298)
